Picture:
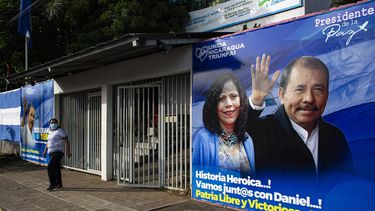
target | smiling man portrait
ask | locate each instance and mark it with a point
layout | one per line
(295, 140)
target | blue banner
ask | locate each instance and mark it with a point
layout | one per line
(24, 20)
(36, 111)
(252, 174)
(10, 109)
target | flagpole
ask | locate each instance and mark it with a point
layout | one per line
(24, 26)
(26, 54)
(27, 37)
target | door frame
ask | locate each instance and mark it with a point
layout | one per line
(88, 132)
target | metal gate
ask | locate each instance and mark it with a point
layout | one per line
(80, 116)
(176, 128)
(94, 133)
(73, 110)
(138, 132)
(152, 138)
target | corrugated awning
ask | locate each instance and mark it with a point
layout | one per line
(127, 47)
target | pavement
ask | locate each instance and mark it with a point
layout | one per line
(23, 187)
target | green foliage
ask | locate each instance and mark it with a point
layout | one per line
(126, 16)
(45, 38)
(61, 27)
(88, 22)
(54, 9)
(9, 53)
(192, 5)
(215, 2)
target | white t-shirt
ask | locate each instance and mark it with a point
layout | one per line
(56, 140)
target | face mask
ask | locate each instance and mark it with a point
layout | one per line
(53, 126)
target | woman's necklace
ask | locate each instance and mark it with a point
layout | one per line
(228, 139)
(227, 162)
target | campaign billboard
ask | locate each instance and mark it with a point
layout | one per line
(310, 145)
(37, 108)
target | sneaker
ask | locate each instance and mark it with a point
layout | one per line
(50, 188)
(59, 186)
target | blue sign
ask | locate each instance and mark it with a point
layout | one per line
(252, 163)
(37, 108)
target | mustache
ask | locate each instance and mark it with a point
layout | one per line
(309, 107)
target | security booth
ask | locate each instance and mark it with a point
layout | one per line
(125, 105)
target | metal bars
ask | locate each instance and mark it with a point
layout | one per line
(152, 138)
(94, 133)
(177, 131)
(81, 118)
(137, 134)
(73, 119)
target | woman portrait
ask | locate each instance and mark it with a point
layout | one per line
(223, 142)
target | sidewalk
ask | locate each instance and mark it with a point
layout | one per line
(23, 187)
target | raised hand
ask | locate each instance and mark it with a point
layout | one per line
(25, 105)
(261, 84)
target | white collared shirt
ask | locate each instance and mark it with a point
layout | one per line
(311, 142)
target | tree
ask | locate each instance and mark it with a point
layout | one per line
(44, 36)
(87, 22)
(9, 54)
(61, 27)
(130, 16)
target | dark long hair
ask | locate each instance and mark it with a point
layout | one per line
(210, 118)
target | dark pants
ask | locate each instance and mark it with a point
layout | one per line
(54, 168)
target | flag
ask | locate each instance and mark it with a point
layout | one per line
(24, 20)
(10, 112)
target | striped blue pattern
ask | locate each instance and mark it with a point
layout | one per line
(10, 111)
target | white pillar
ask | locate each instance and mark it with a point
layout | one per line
(107, 134)
(56, 107)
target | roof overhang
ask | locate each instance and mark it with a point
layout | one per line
(127, 47)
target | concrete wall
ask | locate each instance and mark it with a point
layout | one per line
(7, 147)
